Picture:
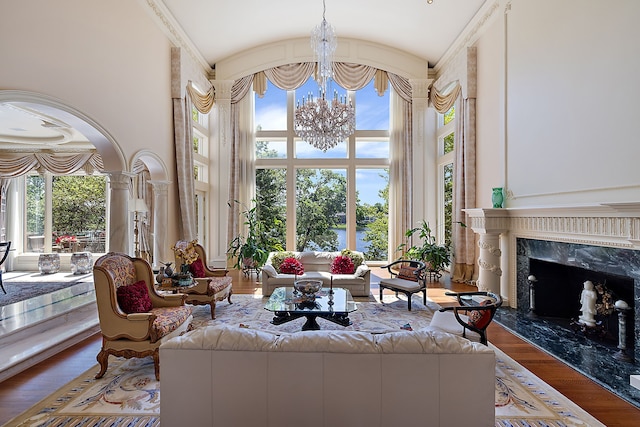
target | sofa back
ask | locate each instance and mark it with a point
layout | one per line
(326, 378)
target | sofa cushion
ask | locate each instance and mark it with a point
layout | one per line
(134, 298)
(270, 270)
(167, 320)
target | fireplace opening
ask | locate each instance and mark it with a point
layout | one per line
(557, 292)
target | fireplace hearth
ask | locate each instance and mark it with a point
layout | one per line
(560, 270)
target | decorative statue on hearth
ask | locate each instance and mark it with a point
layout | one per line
(588, 308)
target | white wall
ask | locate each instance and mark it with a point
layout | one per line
(107, 59)
(572, 70)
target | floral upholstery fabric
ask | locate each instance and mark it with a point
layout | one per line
(407, 273)
(217, 284)
(480, 318)
(167, 320)
(121, 269)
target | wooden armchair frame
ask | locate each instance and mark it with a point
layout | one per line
(467, 305)
(405, 285)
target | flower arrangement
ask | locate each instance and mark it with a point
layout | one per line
(186, 251)
(355, 257)
(291, 266)
(342, 264)
(65, 239)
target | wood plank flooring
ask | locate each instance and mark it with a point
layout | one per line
(24, 390)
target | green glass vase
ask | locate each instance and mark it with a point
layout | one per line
(497, 198)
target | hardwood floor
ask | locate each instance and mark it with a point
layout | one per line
(24, 390)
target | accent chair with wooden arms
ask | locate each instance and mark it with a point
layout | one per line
(213, 285)
(471, 318)
(408, 277)
(134, 319)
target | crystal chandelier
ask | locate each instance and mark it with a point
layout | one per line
(324, 122)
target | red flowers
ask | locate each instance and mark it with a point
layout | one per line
(342, 265)
(291, 266)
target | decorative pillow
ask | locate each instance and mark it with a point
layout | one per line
(480, 318)
(356, 257)
(342, 264)
(407, 273)
(278, 257)
(197, 268)
(291, 266)
(134, 298)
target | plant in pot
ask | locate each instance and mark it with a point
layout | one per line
(435, 256)
(250, 251)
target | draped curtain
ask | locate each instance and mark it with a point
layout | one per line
(351, 77)
(464, 181)
(183, 137)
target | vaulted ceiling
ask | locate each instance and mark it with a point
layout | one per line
(221, 28)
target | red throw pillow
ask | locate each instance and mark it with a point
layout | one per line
(407, 273)
(480, 318)
(342, 265)
(197, 268)
(291, 266)
(134, 298)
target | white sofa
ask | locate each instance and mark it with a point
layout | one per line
(229, 376)
(317, 265)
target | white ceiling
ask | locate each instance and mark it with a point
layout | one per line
(221, 28)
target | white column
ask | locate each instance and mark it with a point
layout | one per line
(489, 224)
(219, 173)
(119, 196)
(160, 218)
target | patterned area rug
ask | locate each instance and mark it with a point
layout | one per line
(129, 395)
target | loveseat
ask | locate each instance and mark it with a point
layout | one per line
(247, 377)
(317, 265)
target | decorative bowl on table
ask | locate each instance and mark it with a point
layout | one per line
(308, 288)
(182, 279)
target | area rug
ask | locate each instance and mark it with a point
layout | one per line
(129, 395)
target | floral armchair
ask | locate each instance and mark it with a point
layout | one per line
(134, 319)
(212, 284)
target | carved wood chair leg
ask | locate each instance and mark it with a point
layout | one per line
(229, 297)
(103, 360)
(409, 299)
(381, 288)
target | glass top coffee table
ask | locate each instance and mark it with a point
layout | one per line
(287, 304)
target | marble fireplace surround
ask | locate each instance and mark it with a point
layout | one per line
(603, 238)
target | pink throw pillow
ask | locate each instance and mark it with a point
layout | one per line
(134, 298)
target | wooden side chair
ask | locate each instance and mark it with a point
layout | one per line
(6, 247)
(471, 317)
(134, 319)
(408, 277)
(213, 284)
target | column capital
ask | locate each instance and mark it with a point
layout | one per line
(420, 88)
(223, 89)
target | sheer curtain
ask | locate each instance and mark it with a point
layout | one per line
(352, 77)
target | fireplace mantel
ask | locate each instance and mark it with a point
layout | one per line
(607, 224)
